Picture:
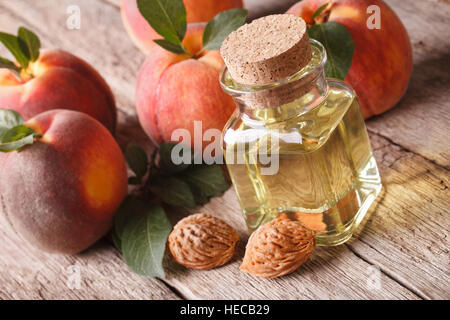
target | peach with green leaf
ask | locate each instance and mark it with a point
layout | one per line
(60, 192)
(178, 82)
(382, 59)
(143, 34)
(54, 79)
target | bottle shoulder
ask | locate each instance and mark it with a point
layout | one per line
(341, 85)
(314, 124)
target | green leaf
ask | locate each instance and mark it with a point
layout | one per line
(143, 230)
(130, 206)
(16, 138)
(29, 43)
(221, 26)
(16, 133)
(319, 10)
(8, 120)
(166, 17)
(339, 46)
(165, 158)
(199, 196)
(208, 179)
(169, 46)
(13, 133)
(137, 160)
(173, 191)
(11, 42)
(8, 64)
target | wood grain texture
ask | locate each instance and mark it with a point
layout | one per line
(406, 234)
(27, 273)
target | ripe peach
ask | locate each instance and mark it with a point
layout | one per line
(197, 11)
(59, 80)
(382, 60)
(174, 90)
(61, 192)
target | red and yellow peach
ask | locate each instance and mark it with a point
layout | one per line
(197, 11)
(174, 90)
(382, 60)
(59, 80)
(61, 192)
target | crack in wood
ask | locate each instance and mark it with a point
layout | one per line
(385, 272)
(392, 142)
(173, 289)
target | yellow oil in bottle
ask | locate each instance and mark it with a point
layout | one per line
(326, 176)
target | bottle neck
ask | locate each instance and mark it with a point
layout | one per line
(286, 101)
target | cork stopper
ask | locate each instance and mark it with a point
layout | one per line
(266, 50)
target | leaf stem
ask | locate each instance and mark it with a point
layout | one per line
(186, 51)
(198, 54)
(16, 73)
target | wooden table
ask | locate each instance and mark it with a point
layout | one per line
(401, 253)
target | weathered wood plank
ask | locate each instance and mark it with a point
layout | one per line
(27, 273)
(407, 233)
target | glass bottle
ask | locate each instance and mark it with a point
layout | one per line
(302, 153)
